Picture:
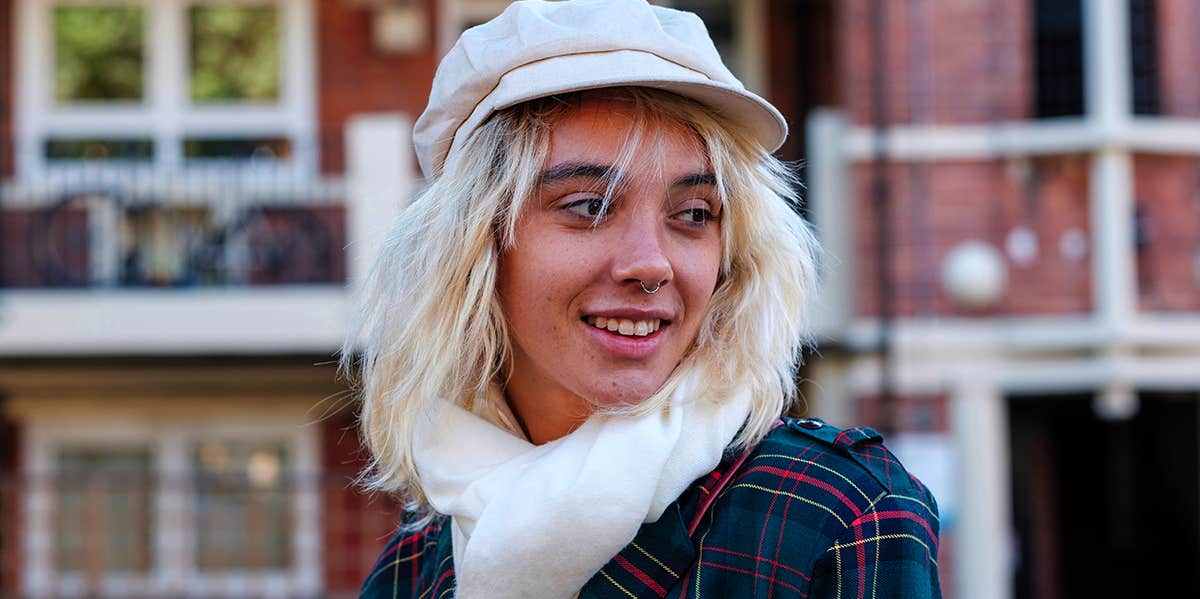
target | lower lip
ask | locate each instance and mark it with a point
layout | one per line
(627, 347)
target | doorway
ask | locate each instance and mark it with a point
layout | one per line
(1105, 508)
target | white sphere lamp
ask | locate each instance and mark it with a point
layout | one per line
(974, 274)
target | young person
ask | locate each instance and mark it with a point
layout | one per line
(581, 337)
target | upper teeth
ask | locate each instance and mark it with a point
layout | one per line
(624, 326)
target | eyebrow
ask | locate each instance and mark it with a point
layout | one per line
(602, 172)
(570, 170)
(695, 179)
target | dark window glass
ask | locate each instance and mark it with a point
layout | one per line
(132, 150)
(1058, 39)
(1143, 59)
(1116, 497)
(236, 148)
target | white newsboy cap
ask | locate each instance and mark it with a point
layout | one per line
(538, 48)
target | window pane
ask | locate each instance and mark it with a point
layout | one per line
(131, 150)
(243, 505)
(102, 515)
(234, 53)
(98, 53)
(1143, 59)
(237, 148)
(1058, 39)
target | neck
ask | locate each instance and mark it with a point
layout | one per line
(547, 416)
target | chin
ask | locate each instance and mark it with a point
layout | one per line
(616, 398)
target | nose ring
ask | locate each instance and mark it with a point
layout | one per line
(649, 291)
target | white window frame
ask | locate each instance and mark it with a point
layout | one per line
(165, 114)
(173, 571)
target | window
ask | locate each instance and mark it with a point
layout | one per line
(1058, 57)
(234, 53)
(1143, 59)
(242, 504)
(146, 508)
(165, 83)
(102, 516)
(98, 53)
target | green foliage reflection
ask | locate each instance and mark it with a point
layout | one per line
(234, 52)
(98, 53)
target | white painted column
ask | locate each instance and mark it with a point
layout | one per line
(983, 544)
(1109, 101)
(1114, 277)
(830, 209)
(1106, 61)
(380, 180)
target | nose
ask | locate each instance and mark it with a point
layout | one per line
(641, 260)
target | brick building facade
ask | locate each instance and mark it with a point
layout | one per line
(1059, 137)
(1084, 226)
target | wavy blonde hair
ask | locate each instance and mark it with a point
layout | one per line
(431, 326)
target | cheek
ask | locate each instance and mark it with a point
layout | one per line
(703, 269)
(537, 281)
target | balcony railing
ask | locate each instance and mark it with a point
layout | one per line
(91, 223)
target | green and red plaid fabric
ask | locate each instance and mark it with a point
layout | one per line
(812, 511)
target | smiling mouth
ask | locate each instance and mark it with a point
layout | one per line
(626, 327)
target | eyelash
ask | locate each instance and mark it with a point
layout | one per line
(583, 208)
(587, 204)
(706, 216)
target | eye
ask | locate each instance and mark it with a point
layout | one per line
(696, 215)
(592, 207)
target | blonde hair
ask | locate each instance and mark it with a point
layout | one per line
(431, 325)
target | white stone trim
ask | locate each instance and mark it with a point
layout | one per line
(171, 570)
(241, 320)
(990, 141)
(1079, 332)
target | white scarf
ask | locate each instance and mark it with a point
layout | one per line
(538, 521)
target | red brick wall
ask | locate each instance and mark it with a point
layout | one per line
(1178, 55)
(935, 207)
(912, 413)
(356, 525)
(947, 62)
(1167, 192)
(354, 77)
(10, 506)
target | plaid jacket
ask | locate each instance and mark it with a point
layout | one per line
(812, 511)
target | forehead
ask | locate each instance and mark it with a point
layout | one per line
(606, 131)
